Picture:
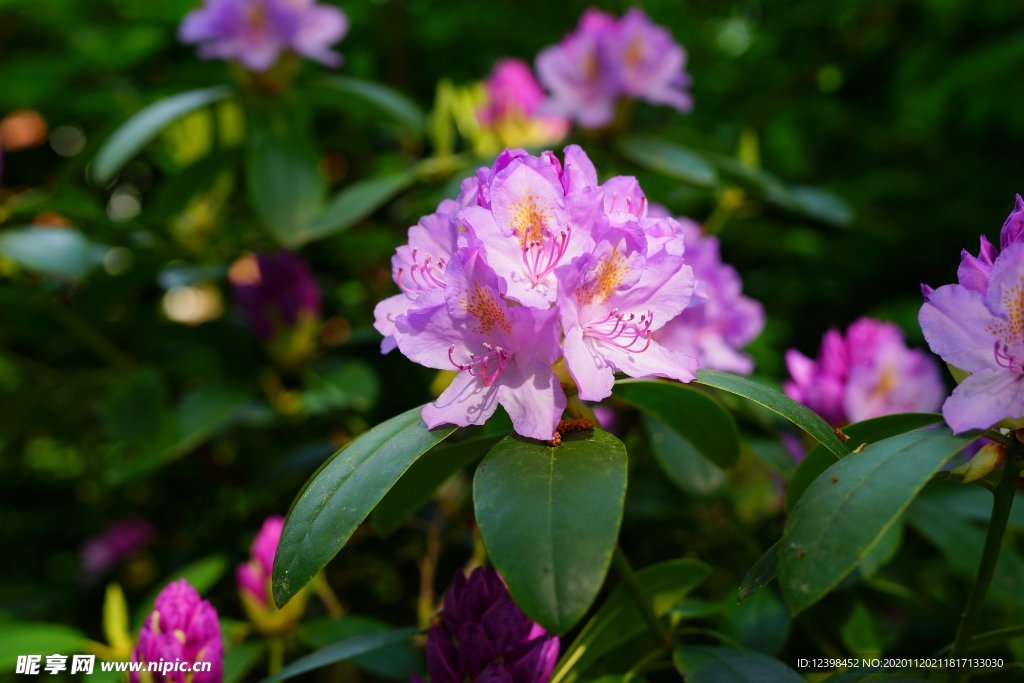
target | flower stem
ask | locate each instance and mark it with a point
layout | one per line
(629, 580)
(275, 655)
(1001, 505)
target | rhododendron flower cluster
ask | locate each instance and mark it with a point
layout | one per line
(120, 540)
(181, 628)
(866, 373)
(977, 327)
(512, 108)
(257, 32)
(537, 262)
(275, 291)
(606, 59)
(482, 635)
(720, 320)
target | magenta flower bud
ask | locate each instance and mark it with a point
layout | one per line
(868, 372)
(182, 627)
(1013, 227)
(120, 540)
(511, 112)
(257, 32)
(482, 635)
(275, 292)
(254, 575)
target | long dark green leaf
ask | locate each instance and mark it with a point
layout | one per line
(354, 203)
(343, 651)
(416, 486)
(761, 573)
(777, 402)
(240, 660)
(705, 426)
(389, 100)
(668, 159)
(397, 662)
(731, 665)
(846, 511)
(618, 620)
(137, 131)
(340, 495)
(550, 517)
(36, 638)
(819, 459)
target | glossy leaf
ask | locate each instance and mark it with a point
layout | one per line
(58, 252)
(777, 402)
(550, 517)
(699, 420)
(343, 651)
(682, 464)
(392, 102)
(340, 495)
(353, 204)
(669, 159)
(819, 459)
(761, 573)
(398, 662)
(732, 665)
(618, 619)
(34, 638)
(285, 187)
(761, 623)
(846, 511)
(418, 485)
(140, 129)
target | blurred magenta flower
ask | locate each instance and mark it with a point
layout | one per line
(535, 247)
(720, 320)
(119, 540)
(257, 32)
(511, 109)
(866, 373)
(605, 59)
(977, 327)
(181, 628)
(275, 292)
(481, 635)
(254, 583)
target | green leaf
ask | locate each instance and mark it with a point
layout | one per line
(353, 204)
(389, 100)
(846, 511)
(668, 159)
(821, 205)
(699, 420)
(681, 463)
(202, 575)
(28, 638)
(58, 252)
(761, 573)
(339, 496)
(884, 551)
(618, 619)
(818, 459)
(777, 402)
(285, 187)
(550, 517)
(397, 662)
(343, 651)
(137, 131)
(240, 660)
(726, 664)
(760, 623)
(417, 486)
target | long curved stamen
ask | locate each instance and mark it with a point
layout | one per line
(422, 276)
(622, 331)
(1005, 359)
(487, 366)
(542, 256)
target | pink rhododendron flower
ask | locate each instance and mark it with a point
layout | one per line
(254, 576)
(605, 59)
(120, 540)
(182, 627)
(512, 110)
(866, 373)
(536, 261)
(257, 32)
(720, 321)
(977, 326)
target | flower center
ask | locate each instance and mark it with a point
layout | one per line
(1010, 333)
(607, 276)
(622, 331)
(542, 247)
(423, 275)
(1005, 359)
(487, 366)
